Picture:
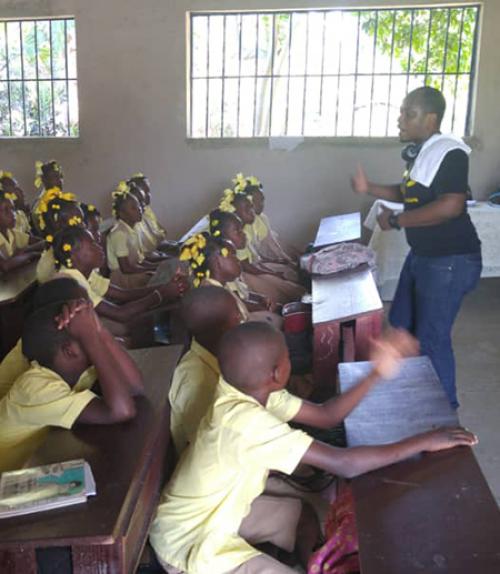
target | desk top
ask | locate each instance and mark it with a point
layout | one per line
(119, 456)
(338, 228)
(343, 296)
(412, 402)
(15, 283)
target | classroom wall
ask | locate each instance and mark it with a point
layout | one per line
(132, 89)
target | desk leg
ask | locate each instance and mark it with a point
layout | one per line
(96, 559)
(367, 327)
(326, 355)
(22, 559)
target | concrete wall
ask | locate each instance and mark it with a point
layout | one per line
(132, 89)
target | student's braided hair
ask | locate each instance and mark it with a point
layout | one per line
(5, 195)
(197, 251)
(246, 184)
(120, 196)
(52, 204)
(65, 242)
(218, 220)
(42, 169)
(89, 210)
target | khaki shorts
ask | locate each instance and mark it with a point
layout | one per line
(271, 519)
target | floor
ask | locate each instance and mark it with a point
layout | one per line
(476, 339)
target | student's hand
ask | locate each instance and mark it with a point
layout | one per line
(84, 325)
(387, 351)
(444, 438)
(69, 311)
(359, 181)
(383, 218)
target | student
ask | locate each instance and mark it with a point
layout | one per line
(10, 185)
(48, 175)
(149, 216)
(62, 342)
(127, 259)
(78, 255)
(213, 511)
(93, 220)
(213, 261)
(14, 364)
(228, 226)
(16, 247)
(266, 243)
(208, 313)
(55, 211)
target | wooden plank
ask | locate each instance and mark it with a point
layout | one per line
(121, 457)
(337, 229)
(344, 296)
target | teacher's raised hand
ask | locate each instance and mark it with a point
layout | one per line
(359, 181)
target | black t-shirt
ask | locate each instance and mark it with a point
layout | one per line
(455, 236)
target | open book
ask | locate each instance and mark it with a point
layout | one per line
(45, 487)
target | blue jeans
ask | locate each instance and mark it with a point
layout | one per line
(427, 301)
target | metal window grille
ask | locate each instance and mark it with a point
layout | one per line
(329, 72)
(38, 78)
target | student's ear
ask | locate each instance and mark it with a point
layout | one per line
(72, 350)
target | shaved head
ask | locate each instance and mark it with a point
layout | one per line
(252, 355)
(430, 100)
(209, 312)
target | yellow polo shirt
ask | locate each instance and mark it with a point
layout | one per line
(151, 220)
(146, 237)
(22, 222)
(123, 241)
(224, 470)
(46, 266)
(233, 288)
(38, 399)
(13, 366)
(14, 240)
(96, 285)
(260, 228)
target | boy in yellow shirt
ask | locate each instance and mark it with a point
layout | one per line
(62, 343)
(206, 520)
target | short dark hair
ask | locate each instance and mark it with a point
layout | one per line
(430, 100)
(58, 290)
(41, 339)
(72, 236)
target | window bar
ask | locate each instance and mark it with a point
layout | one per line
(272, 74)
(66, 69)
(257, 28)
(472, 73)
(323, 41)
(410, 49)
(191, 78)
(8, 77)
(23, 82)
(37, 82)
(290, 28)
(445, 56)
(223, 79)
(52, 81)
(373, 73)
(306, 65)
(390, 73)
(239, 78)
(355, 76)
(207, 75)
(428, 49)
(458, 69)
(338, 82)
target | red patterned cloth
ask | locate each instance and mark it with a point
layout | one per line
(339, 554)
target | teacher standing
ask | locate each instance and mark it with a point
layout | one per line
(444, 262)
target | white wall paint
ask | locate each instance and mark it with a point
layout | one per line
(132, 88)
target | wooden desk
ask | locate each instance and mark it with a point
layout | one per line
(15, 288)
(431, 514)
(337, 229)
(108, 532)
(347, 312)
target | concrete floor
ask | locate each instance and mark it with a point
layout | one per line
(476, 341)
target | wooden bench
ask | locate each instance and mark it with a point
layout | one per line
(16, 287)
(434, 513)
(129, 462)
(347, 313)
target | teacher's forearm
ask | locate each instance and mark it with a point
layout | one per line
(387, 192)
(443, 209)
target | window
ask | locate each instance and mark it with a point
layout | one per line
(337, 72)
(38, 81)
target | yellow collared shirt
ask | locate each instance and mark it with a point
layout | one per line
(14, 240)
(13, 366)
(22, 222)
(260, 227)
(220, 474)
(235, 291)
(46, 266)
(151, 220)
(146, 237)
(38, 399)
(123, 241)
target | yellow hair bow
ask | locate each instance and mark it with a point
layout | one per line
(138, 175)
(11, 196)
(226, 203)
(6, 174)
